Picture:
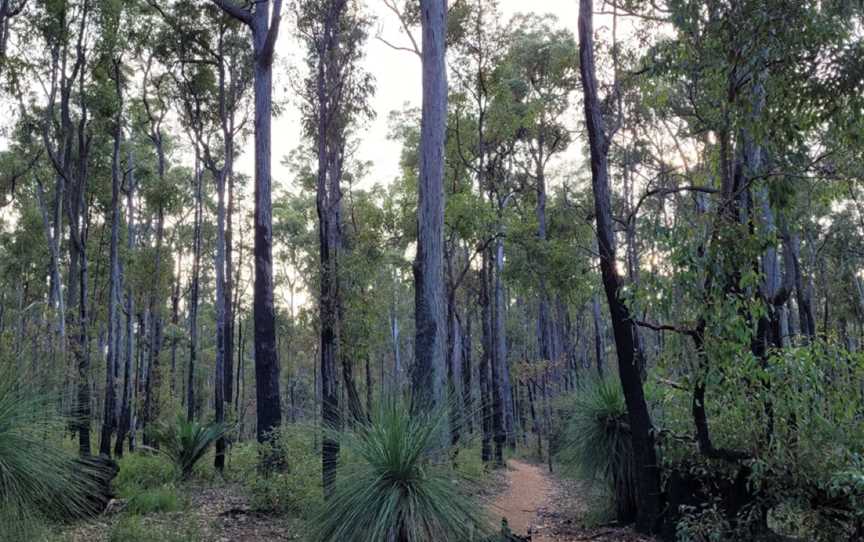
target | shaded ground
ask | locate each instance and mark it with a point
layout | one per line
(217, 514)
(550, 510)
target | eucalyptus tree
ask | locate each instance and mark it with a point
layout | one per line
(540, 68)
(642, 431)
(263, 23)
(429, 345)
(67, 138)
(109, 74)
(335, 94)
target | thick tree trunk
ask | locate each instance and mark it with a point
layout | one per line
(269, 409)
(486, 402)
(430, 340)
(646, 463)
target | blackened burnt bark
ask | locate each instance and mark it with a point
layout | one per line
(265, 30)
(648, 473)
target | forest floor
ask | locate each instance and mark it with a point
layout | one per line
(214, 514)
(536, 504)
(550, 509)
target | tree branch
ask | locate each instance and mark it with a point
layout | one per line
(232, 9)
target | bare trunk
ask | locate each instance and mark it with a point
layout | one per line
(128, 374)
(109, 421)
(193, 295)
(647, 468)
(430, 340)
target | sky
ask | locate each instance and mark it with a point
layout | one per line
(398, 82)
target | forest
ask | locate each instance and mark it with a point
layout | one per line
(431, 270)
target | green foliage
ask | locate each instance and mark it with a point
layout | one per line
(596, 443)
(398, 485)
(161, 499)
(297, 489)
(135, 529)
(143, 471)
(184, 443)
(34, 467)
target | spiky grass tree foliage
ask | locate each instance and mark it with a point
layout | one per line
(397, 485)
(596, 443)
(186, 442)
(39, 479)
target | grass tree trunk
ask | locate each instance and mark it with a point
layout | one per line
(647, 468)
(430, 342)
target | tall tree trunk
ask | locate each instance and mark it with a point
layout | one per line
(154, 309)
(109, 421)
(502, 363)
(221, 352)
(430, 340)
(193, 294)
(487, 417)
(265, 29)
(642, 435)
(128, 374)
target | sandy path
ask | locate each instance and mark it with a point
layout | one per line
(528, 488)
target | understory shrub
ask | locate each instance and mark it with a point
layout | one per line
(39, 479)
(141, 471)
(295, 489)
(396, 483)
(185, 442)
(595, 442)
(155, 500)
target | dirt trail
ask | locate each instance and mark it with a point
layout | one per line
(528, 489)
(549, 509)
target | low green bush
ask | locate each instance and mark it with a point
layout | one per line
(185, 442)
(155, 500)
(141, 471)
(296, 489)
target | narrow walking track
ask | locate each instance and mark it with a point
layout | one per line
(550, 510)
(528, 489)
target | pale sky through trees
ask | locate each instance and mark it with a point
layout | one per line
(397, 75)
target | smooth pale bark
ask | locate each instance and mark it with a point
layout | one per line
(73, 139)
(642, 435)
(129, 340)
(53, 228)
(501, 359)
(109, 421)
(429, 373)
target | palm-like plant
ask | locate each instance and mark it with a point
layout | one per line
(597, 444)
(38, 477)
(398, 487)
(186, 442)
